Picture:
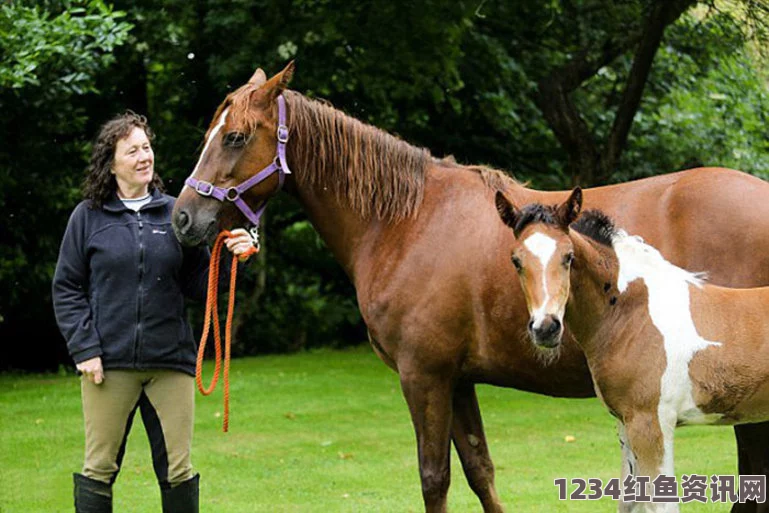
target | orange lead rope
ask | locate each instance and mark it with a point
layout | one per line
(212, 314)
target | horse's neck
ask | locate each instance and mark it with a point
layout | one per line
(594, 300)
(342, 229)
(348, 191)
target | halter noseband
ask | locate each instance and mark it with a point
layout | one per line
(233, 194)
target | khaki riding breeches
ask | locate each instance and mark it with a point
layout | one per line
(166, 400)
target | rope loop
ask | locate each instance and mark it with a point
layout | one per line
(212, 317)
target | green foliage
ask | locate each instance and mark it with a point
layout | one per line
(51, 60)
(59, 53)
(712, 111)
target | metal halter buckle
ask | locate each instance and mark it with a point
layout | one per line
(282, 133)
(202, 192)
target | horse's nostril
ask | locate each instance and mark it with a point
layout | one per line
(550, 328)
(182, 221)
(531, 324)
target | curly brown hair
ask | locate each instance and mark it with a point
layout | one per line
(99, 183)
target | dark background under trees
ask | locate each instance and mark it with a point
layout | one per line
(554, 92)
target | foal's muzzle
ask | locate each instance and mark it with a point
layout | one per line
(547, 332)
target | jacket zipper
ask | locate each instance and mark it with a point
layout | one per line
(140, 292)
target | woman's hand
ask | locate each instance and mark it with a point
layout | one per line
(240, 244)
(92, 370)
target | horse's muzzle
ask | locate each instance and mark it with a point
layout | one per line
(188, 233)
(547, 333)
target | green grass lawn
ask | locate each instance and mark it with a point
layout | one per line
(326, 431)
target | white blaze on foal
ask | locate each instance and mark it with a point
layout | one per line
(543, 247)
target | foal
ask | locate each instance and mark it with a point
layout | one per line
(664, 348)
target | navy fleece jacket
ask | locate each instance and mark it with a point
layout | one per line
(120, 283)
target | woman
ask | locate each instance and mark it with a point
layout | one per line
(118, 295)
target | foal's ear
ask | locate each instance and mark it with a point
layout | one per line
(507, 211)
(569, 210)
(258, 78)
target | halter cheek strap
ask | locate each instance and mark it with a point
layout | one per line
(233, 194)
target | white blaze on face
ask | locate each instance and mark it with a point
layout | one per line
(668, 289)
(542, 247)
(219, 125)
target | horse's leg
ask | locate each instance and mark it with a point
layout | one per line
(429, 400)
(651, 440)
(753, 457)
(470, 441)
(629, 465)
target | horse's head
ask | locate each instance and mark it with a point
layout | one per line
(242, 162)
(542, 255)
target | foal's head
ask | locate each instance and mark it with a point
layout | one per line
(543, 254)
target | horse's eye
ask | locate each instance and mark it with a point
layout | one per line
(568, 258)
(517, 263)
(234, 139)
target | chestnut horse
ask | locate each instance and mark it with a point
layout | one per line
(421, 241)
(664, 347)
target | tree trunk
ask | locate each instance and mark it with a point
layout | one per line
(592, 162)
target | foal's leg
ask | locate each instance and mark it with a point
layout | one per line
(629, 465)
(753, 454)
(651, 440)
(429, 400)
(470, 441)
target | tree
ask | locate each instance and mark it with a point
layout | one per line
(51, 63)
(585, 65)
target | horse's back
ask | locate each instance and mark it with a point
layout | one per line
(712, 220)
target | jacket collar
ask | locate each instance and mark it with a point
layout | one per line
(115, 204)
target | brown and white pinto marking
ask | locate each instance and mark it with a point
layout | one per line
(664, 348)
(421, 241)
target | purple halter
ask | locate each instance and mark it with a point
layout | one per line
(233, 193)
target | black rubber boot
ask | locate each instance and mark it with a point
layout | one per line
(92, 496)
(182, 498)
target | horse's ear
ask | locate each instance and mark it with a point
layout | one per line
(507, 211)
(285, 76)
(569, 210)
(258, 78)
(275, 86)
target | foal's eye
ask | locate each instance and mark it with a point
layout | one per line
(568, 258)
(234, 139)
(517, 263)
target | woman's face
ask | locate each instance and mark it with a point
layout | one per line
(134, 164)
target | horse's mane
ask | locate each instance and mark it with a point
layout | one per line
(644, 258)
(597, 226)
(494, 179)
(377, 173)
